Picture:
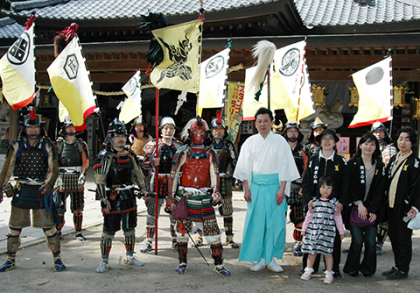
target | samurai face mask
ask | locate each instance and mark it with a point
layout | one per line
(198, 132)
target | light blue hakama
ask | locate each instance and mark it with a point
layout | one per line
(265, 223)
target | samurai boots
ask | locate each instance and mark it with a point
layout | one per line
(103, 266)
(80, 237)
(230, 242)
(58, 265)
(131, 260)
(146, 247)
(220, 269)
(9, 265)
(181, 269)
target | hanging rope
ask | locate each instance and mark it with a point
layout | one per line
(102, 93)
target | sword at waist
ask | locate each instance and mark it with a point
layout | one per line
(30, 181)
(224, 175)
(120, 187)
(72, 169)
(196, 191)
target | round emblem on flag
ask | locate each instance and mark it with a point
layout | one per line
(290, 62)
(374, 75)
(19, 51)
(214, 66)
(71, 66)
(131, 86)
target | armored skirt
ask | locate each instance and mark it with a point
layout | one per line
(265, 223)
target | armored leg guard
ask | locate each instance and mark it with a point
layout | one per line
(150, 233)
(78, 220)
(53, 242)
(172, 227)
(182, 252)
(13, 243)
(62, 222)
(228, 223)
(129, 241)
(216, 253)
(106, 244)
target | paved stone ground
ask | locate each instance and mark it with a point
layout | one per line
(34, 273)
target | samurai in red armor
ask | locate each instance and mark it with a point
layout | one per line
(227, 158)
(168, 146)
(116, 171)
(32, 159)
(199, 184)
(73, 161)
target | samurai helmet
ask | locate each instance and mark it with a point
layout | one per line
(293, 124)
(318, 123)
(217, 123)
(32, 119)
(116, 127)
(167, 120)
(379, 126)
(195, 132)
(67, 122)
(277, 128)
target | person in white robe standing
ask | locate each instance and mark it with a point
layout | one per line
(265, 165)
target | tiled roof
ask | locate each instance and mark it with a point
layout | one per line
(112, 9)
(10, 29)
(349, 12)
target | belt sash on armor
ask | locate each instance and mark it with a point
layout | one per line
(199, 203)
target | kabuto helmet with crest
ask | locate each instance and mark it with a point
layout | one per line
(32, 119)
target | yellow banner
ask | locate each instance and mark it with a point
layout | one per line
(179, 68)
(236, 92)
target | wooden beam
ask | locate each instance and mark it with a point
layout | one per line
(345, 76)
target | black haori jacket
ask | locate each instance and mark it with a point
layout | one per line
(375, 200)
(336, 169)
(408, 187)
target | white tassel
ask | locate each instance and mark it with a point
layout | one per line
(264, 51)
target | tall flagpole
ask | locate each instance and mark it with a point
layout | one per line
(156, 169)
(301, 81)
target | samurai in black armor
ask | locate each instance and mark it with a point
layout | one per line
(116, 171)
(32, 159)
(168, 146)
(294, 138)
(73, 160)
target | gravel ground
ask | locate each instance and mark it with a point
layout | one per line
(34, 273)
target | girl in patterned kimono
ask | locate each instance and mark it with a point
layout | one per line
(320, 227)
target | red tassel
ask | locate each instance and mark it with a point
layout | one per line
(181, 228)
(219, 116)
(29, 22)
(32, 113)
(70, 31)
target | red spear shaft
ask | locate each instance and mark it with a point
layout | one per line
(157, 170)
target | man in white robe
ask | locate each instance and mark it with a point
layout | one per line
(265, 165)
